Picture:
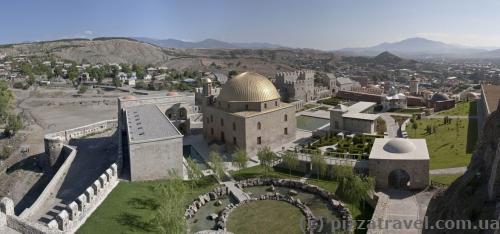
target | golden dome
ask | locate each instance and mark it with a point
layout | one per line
(248, 87)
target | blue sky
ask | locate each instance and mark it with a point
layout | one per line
(321, 24)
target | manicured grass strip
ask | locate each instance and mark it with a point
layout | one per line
(445, 179)
(448, 147)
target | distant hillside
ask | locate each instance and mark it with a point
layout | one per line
(207, 44)
(415, 47)
(98, 50)
(386, 57)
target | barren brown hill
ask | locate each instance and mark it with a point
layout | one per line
(124, 50)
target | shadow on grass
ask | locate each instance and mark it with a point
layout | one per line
(134, 222)
(471, 136)
(143, 203)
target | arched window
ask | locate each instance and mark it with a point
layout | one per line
(285, 117)
(259, 125)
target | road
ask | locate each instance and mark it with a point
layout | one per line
(390, 123)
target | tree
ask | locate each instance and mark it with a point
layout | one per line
(266, 157)
(217, 164)
(194, 172)
(240, 159)
(318, 164)
(14, 124)
(340, 172)
(291, 160)
(5, 100)
(169, 217)
(140, 85)
(355, 188)
(31, 80)
(72, 72)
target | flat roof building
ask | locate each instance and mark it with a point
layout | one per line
(357, 118)
(154, 144)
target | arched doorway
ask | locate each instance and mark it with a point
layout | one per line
(399, 179)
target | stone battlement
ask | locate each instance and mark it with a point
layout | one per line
(76, 212)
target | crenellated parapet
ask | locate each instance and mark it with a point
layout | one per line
(76, 212)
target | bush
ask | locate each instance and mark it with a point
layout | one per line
(5, 153)
(19, 85)
(82, 89)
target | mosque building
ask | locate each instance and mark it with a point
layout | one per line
(247, 114)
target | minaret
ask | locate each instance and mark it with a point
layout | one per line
(207, 87)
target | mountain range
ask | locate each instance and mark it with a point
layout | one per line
(207, 44)
(422, 48)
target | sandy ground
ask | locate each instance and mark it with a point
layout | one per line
(47, 110)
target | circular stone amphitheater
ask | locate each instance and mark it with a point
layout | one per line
(257, 206)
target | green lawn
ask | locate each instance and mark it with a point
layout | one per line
(266, 217)
(358, 211)
(447, 147)
(461, 108)
(131, 207)
(445, 179)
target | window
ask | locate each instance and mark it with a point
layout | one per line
(211, 118)
(246, 107)
(259, 126)
(285, 117)
(234, 141)
(208, 120)
(285, 131)
(259, 141)
(228, 106)
(222, 137)
(221, 122)
(275, 103)
(212, 131)
(234, 126)
(265, 105)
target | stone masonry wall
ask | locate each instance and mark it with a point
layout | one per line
(77, 212)
(54, 183)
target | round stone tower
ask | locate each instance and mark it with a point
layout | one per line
(53, 148)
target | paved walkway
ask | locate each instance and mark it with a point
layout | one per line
(237, 193)
(400, 207)
(448, 171)
(390, 123)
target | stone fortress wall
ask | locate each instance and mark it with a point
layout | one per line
(54, 142)
(71, 218)
(77, 212)
(74, 214)
(68, 154)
